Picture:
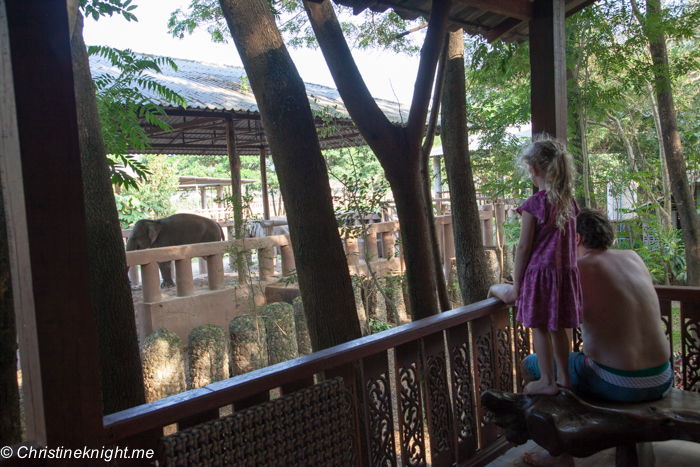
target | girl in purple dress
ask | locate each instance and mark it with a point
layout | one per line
(546, 286)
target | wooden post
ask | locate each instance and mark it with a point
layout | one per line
(263, 182)
(488, 225)
(183, 277)
(500, 219)
(449, 236)
(235, 166)
(215, 266)
(55, 320)
(548, 68)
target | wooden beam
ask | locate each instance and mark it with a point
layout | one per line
(520, 9)
(59, 342)
(548, 68)
(506, 26)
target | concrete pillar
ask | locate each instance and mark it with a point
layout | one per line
(151, 282)
(215, 266)
(352, 252)
(134, 275)
(437, 184)
(202, 265)
(449, 236)
(183, 277)
(372, 249)
(388, 244)
(287, 260)
(266, 266)
(203, 195)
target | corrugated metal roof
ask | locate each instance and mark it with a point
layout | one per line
(218, 87)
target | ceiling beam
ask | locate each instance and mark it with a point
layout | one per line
(520, 9)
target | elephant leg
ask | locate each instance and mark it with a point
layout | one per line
(165, 271)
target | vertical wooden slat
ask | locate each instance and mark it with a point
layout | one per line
(349, 374)
(250, 401)
(296, 385)
(378, 413)
(484, 374)
(667, 320)
(522, 348)
(690, 332)
(465, 433)
(439, 410)
(503, 340)
(410, 402)
(59, 344)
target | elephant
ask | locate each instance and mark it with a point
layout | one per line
(178, 229)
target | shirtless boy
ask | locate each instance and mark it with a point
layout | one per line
(626, 354)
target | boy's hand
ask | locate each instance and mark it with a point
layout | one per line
(504, 292)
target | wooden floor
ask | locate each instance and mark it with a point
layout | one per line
(667, 453)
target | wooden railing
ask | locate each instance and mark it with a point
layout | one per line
(442, 363)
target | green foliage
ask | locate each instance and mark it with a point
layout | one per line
(376, 326)
(98, 8)
(367, 30)
(153, 199)
(122, 103)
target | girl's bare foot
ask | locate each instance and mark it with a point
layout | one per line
(563, 382)
(544, 459)
(541, 387)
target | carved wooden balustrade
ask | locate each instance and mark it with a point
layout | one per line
(438, 365)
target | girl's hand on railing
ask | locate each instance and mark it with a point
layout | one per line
(504, 292)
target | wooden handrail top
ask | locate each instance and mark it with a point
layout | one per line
(681, 293)
(151, 255)
(171, 409)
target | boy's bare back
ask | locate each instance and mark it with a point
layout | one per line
(621, 318)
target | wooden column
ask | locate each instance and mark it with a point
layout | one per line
(55, 320)
(548, 68)
(235, 166)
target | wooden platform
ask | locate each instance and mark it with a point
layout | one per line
(668, 453)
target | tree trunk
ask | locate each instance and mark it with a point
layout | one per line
(440, 281)
(120, 364)
(677, 170)
(397, 149)
(472, 269)
(10, 424)
(324, 281)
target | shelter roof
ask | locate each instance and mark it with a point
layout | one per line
(215, 93)
(198, 182)
(494, 19)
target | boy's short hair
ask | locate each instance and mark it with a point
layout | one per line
(595, 228)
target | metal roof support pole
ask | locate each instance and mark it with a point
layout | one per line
(548, 68)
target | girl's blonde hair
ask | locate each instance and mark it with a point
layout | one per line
(552, 160)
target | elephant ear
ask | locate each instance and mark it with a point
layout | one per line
(153, 230)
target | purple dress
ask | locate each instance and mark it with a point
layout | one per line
(550, 291)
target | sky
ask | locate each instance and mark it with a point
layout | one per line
(387, 75)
